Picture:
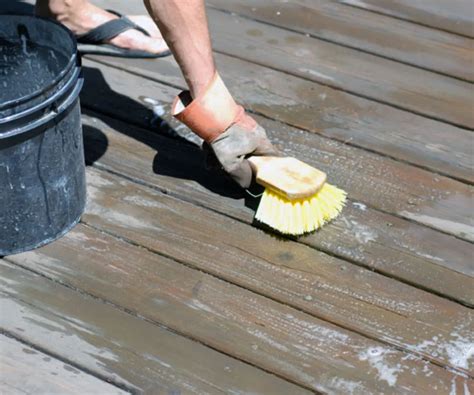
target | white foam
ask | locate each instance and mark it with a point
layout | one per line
(158, 110)
(453, 387)
(313, 72)
(151, 101)
(362, 233)
(360, 206)
(460, 351)
(376, 359)
(347, 386)
(267, 339)
(466, 389)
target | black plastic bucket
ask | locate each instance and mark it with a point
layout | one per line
(42, 171)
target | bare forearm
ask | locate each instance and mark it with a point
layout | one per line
(183, 24)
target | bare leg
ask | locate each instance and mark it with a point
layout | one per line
(81, 16)
(183, 24)
(229, 134)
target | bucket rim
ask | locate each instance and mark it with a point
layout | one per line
(45, 103)
(67, 96)
(71, 62)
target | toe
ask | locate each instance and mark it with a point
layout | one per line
(133, 39)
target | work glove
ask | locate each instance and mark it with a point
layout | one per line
(233, 146)
(230, 135)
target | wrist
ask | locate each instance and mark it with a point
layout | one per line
(211, 112)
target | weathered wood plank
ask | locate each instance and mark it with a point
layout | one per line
(251, 263)
(315, 108)
(117, 346)
(388, 244)
(290, 273)
(228, 318)
(388, 185)
(24, 370)
(374, 305)
(384, 80)
(375, 33)
(455, 15)
(406, 87)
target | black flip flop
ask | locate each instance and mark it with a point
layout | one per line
(92, 42)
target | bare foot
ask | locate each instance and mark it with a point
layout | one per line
(88, 16)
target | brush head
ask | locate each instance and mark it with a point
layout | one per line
(297, 199)
(300, 216)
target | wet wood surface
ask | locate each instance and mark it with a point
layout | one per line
(363, 235)
(389, 185)
(293, 344)
(293, 274)
(347, 69)
(119, 347)
(25, 370)
(357, 28)
(455, 16)
(315, 108)
(167, 286)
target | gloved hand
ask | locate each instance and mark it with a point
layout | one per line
(233, 146)
(228, 132)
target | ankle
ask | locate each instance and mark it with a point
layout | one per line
(77, 15)
(60, 10)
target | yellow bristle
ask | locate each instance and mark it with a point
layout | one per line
(296, 217)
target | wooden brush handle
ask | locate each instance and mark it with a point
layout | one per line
(289, 177)
(258, 162)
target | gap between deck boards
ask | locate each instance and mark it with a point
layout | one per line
(133, 232)
(125, 347)
(162, 284)
(435, 11)
(368, 76)
(409, 211)
(140, 113)
(456, 120)
(317, 109)
(404, 42)
(421, 274)
(29, 368)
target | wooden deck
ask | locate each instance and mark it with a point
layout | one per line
(166, 287)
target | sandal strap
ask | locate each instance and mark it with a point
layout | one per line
(137, 27)
(109, 30)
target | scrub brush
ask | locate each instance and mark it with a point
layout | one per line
(297, 199)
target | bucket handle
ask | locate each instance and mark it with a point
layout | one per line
(72, 80)
(47, 117)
